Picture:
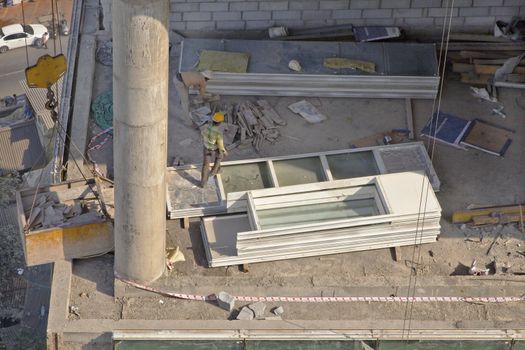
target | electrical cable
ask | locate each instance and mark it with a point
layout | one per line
(24, 22)
(54, 28)
(59, 34)
(441, 69)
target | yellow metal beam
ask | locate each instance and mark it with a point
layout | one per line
(66, 243)
(464, 216)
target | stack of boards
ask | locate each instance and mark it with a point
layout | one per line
(323, 218)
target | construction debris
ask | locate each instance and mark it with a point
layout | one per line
(255, 123)
(341, 31)
(226, 301)
(375, 33)
(8, 185)
(246, 314)
(490, 215)
(340, 63)
(49, 212)
(308, 111)
(295, 66)
(258, 309)
(488, 60)
(173, 255)
(474, 270)
(278, 311)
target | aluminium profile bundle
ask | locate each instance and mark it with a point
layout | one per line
(356, 86)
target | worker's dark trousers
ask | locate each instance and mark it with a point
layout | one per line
(205, 173)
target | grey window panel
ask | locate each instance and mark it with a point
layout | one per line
(246, 177)
(349, 165)
(298, 171)
(322, 212)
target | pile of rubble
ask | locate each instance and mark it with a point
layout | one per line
(244, 123)
(49, 212)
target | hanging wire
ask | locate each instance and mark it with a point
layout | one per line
(54, 28)
(59, 36)
(24, 23)
(425, 186)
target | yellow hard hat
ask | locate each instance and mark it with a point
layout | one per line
(218, 117)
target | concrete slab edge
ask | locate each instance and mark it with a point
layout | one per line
(59, 302)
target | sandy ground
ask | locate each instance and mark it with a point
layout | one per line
(467, 177)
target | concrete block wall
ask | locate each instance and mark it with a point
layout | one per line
(412, 15)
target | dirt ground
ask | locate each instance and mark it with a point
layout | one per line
(468, 177)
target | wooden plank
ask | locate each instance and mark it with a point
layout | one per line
(270, 112)
(462, 67)
(491, 69)
(478, 46)
(477, 37)
(481, 68)
(493, 220)
(488, 55)
(185, 222)
(409, 117)
(516, 78)
(465, 216)
(498, 61)
(487, 138)
(475, 79)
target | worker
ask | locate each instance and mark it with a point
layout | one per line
(184, 81)
(45, 39)
(213, 146)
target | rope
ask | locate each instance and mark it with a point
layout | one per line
(417, 244)
(333, 299)
(102, 109)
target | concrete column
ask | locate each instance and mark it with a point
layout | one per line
(140, 110)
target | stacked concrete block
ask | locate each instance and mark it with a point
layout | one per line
(412, 15)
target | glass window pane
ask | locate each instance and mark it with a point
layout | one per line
(315, 213)
(298, 171)
(245, 177)
(349, 165)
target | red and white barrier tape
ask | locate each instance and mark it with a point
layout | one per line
(100, 144)
(333, 299)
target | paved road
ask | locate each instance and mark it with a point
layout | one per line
(13, 64)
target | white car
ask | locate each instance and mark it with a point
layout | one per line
(18, 35)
